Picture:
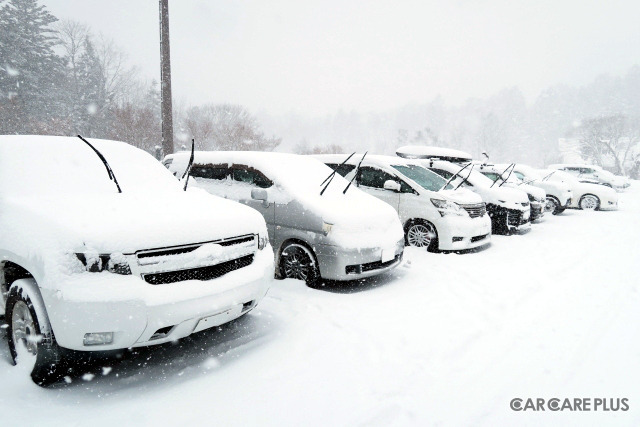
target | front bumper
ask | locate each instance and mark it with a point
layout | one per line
(339, 263)
(136, 311)
(460, 233)
(505, 220)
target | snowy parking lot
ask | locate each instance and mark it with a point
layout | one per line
(445, 339)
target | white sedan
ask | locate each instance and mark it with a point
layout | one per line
(587, 196)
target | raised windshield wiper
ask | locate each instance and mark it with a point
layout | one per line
(454, 176)
(466, 177)
(112, 176)
(548, 176)
(332, 174)
(503, 172)
(355, 174)
(188, 169)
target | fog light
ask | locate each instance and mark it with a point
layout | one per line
(98, 338)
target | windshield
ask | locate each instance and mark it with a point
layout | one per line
(559, 175)
(53, 165)
(423, 177)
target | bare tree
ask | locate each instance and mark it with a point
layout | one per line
(226, 127)
(609, 138)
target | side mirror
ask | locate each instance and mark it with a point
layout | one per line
(259, 194)
(392, 185)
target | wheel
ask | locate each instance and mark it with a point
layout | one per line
(421, 234)
(298, 262)
(589, 202)
(30, 349)
(552, 206)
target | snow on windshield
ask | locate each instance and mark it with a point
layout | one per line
(52, 165)
(423, 177)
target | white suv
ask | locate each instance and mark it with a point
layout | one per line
(101, 249)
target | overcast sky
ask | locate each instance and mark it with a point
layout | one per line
(314, 57)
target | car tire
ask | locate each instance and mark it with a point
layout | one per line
(27, 344)
(297, 261)
(552, 205)
(421, 234)
(589, 202)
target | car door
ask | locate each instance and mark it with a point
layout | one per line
(371, 180)
(253, 179)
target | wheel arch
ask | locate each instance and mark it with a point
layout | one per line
(412, 221)
(590, 194)
(289, 241)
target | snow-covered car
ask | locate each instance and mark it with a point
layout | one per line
(559, 194)
(585, 195)
(593, 173)
(508, 208)
(504, 176)
(336, 232)
(433, 216)
(101, 249)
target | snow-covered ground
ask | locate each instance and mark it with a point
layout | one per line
(445, 339)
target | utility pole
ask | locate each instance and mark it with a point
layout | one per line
(165, 80)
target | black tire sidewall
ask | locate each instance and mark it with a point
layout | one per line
(314, 278)
(47, 367)
(433, 245)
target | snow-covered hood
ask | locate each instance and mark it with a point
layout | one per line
(461, 196)
(536, 192)
(129, 222)
(511, 198)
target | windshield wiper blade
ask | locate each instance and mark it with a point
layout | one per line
(466, 177)
(333, 174)
(500, 177)
(512, 166)
(548, 176)
(112, 176)
(454, 176)
(188, 169)
(355, 174)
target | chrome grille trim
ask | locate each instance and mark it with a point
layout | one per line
(475, 210)
(181, 249)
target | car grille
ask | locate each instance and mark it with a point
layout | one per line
(515, 218)
(377, 265)
(200, 273)
(478, 238)
(182, 249)
(476, 210)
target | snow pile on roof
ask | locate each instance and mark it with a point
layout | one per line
(426, 152)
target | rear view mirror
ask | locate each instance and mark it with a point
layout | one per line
(259, 194)
(392, 185)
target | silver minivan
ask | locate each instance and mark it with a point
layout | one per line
(334, 232)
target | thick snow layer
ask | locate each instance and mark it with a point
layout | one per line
(359, 220)
(445, 339)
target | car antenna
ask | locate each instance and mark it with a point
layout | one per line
(466, 177)
(332, 174)
(188, 169)
(454, 176)
(355, 174)
(112, 176)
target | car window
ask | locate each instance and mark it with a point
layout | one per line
(210, 172)
(519, 175)
(373, 177)
(250, 175)
(423, 177)
(443, 173)
(343, 170)
(491, 175)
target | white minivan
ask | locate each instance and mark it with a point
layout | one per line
(434, 215)
(320, 226)
(101, 249)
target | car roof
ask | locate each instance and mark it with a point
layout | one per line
(426, 151)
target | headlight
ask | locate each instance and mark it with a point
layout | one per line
(95, 263)
(531, 198)
(263, 240)
(448, 208)
(326, 228)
